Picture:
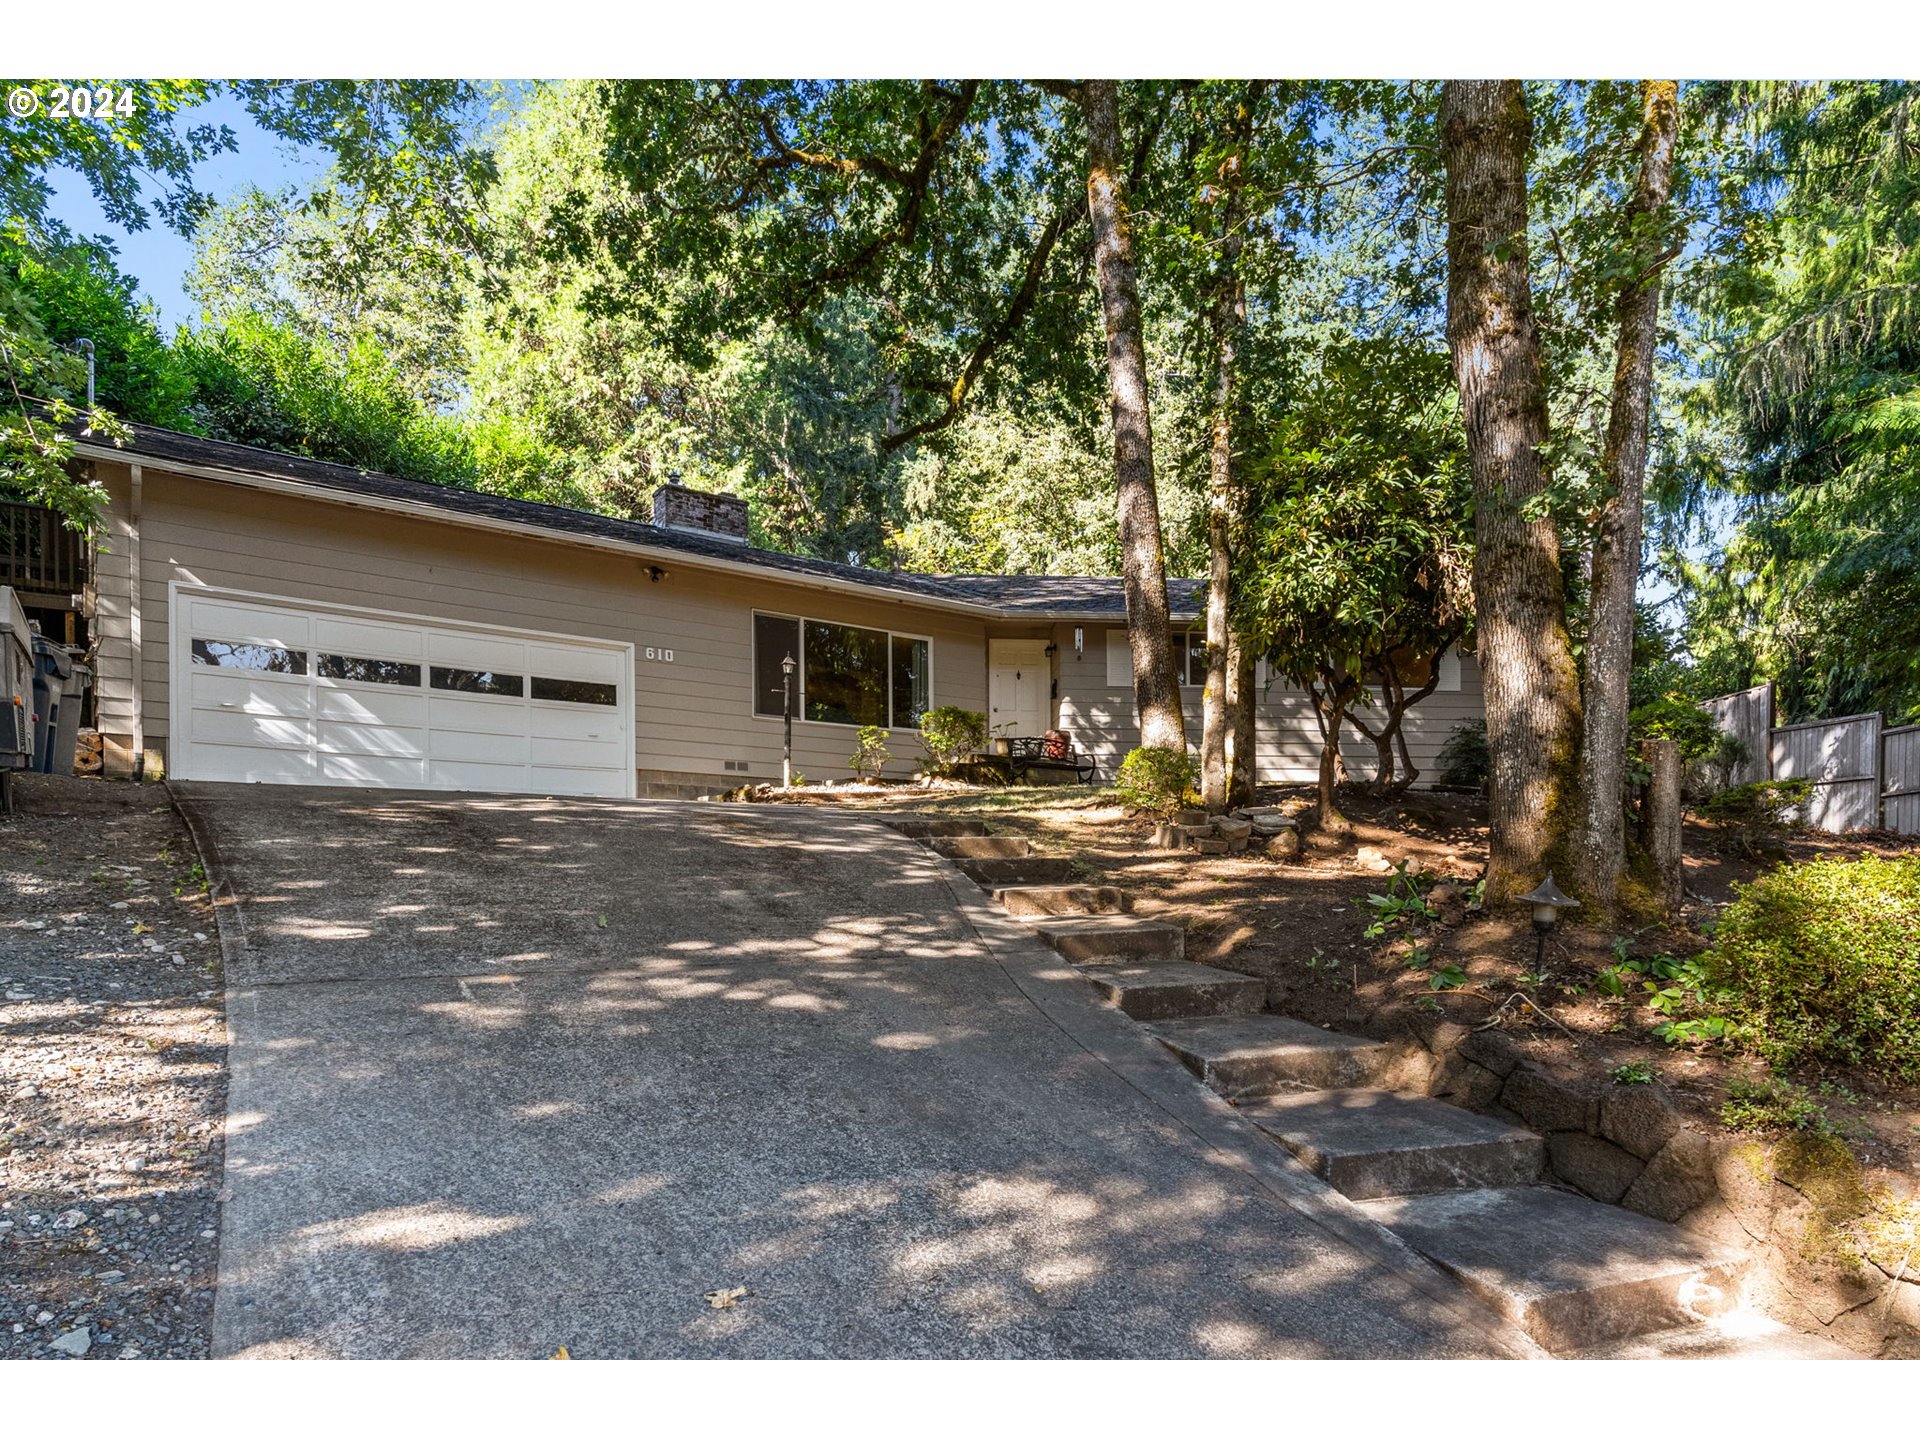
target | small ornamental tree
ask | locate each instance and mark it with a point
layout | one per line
(1355, 577)
(872, 755)
(950, 735)
(1156, 779)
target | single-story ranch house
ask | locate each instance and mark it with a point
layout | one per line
(260, 617)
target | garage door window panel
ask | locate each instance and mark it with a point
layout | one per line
(575, 692)
(361, 671)
(479, 682)
(245, 655)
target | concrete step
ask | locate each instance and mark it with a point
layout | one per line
(1174, 992)
(1064, 899)
(1109, 939)
(981, 847)
(1571, 1272)
(1743, 1335)
(1247, 1056)
(920, 827)
(1372, 1143)
(1026, 870)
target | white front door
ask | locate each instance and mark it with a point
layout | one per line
(293, 694)
(1019, 687)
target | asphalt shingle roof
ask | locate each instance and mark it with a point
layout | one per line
(1011, 596)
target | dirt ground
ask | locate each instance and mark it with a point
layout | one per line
(112, 1077)
(1302, 927)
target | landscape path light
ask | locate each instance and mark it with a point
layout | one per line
(1547, 901)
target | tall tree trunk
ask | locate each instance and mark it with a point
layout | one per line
(1142, 561)
(1600, 851)
(1532, 686)
(1331, 699)
(1226, 322)
(1242, 760)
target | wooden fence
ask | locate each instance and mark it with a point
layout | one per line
(1842, 759)
(1749, 716)
(1900, 779)
(1865, 774)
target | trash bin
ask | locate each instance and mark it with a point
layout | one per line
(16, 684)
(73, 700)
(52, 670)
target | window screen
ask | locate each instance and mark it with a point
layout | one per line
(774, 638)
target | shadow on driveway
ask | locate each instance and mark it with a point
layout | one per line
(511, 1074)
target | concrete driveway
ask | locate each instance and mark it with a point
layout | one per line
(511, 1074)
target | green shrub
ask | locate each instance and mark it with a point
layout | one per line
(1155, 779)
(872, 756)
(951, 734)
(1680, 721)
(1464, 759)
(1822, 961)
(1760, 812)
(1773, 1104)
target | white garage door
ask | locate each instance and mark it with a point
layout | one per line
(278, 692)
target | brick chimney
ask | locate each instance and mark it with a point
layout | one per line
(678, 508)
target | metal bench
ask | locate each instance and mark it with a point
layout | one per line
(1029, 752)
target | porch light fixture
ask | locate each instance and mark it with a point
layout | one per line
(786, 709)
(1547, 901)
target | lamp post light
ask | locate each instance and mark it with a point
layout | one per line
(786, 709)
(1547, 901)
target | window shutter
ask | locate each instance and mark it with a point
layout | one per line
(1119, 661)
(1450, 671)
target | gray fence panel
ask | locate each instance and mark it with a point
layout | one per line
(1749, 715)
(1842, 759)
(1900, 779)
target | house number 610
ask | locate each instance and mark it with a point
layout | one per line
(654, 653)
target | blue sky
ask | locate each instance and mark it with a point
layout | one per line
(158, 257)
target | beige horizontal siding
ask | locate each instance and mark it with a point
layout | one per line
(113, 610)
(1287, 740)
(691, 715)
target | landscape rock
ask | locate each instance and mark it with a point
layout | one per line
(1227, 828)
(1210, 847)
(1638, 1118)
(1285, 845)
(75, 1342)
(1493, 1050)
(1597, 1167)
(1677, 1180)
(1462, 1082)
(1549, 1104)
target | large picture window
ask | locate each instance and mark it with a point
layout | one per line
(843, 674)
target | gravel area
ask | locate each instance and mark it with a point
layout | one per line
(112, 1077)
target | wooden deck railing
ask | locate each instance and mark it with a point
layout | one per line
(38, 553)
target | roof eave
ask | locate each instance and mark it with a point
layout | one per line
(230, 475)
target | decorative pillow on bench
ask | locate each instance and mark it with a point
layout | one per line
(1059, 745)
